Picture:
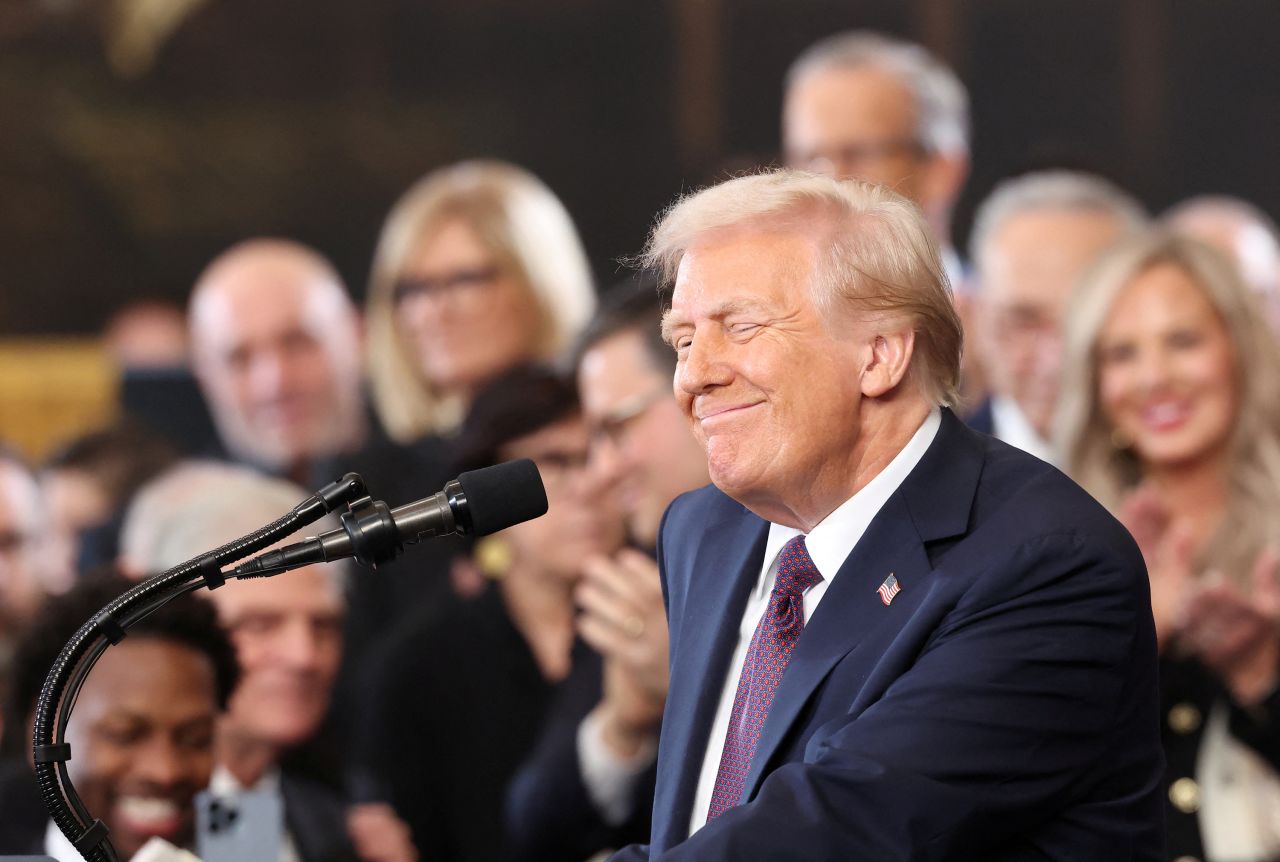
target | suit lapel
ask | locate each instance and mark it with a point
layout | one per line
(850, 610)
(932, 503)
(725, 568)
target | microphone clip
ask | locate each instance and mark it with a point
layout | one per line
(372, 531)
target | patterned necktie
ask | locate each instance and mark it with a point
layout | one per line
(762, 670)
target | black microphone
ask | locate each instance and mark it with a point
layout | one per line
(477, 503)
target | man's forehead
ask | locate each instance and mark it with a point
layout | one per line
(305, 591)
(853, 99)
(151, 676)
(618, 362)
(1041, 249)
(748, 268)
(269, 298)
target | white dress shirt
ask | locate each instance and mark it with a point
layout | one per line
(610, 780)
(829, 544)
(1010, 424)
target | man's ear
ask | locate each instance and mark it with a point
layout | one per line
(891, 352)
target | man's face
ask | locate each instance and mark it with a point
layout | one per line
(858, 122)
(21, 554)
(276, 349)
(641, 444)
(288, 637)
(582, 519)
(1026, 273)
(770, 393)
(142, 734)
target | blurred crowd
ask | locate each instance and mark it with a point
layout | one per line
(501, 698)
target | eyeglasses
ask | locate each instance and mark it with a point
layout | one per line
(850, 155)
(458, 283)
(557, 468)
(614, 426)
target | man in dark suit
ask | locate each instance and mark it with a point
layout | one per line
(891, 638)
(1033, 238)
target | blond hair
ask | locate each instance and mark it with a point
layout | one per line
(1084, 438)
(528, 231)
(875, 254)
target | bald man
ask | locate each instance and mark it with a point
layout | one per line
(276, 348)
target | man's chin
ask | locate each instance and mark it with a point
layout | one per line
(286, 732)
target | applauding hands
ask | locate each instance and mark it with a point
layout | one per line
(624, 619)
(1232, 630)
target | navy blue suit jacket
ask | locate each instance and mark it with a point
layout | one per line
(1002, 707)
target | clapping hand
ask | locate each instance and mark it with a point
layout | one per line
(624, 619)
(378, 834)
(1168, 552)
(1237, 634)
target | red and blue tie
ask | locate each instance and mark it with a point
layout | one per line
(767, 657)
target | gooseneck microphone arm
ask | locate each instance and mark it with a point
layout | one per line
(61, 687)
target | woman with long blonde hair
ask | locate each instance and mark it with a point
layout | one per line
(478, 268)
(1170, 416)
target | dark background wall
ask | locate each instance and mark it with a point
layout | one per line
(127, 162)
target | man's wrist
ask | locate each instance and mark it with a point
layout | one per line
(625, 739)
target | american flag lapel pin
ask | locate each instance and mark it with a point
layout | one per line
(889, 589)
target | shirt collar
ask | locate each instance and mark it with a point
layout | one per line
(1011, 425)
(833, 539)
(223, 783)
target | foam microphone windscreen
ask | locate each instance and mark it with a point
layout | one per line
(503, 495)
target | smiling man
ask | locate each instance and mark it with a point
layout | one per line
(142, 733)
(891, 637)
(276, 349)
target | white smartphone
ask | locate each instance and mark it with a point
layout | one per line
(244, 827)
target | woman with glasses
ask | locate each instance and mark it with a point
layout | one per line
(459, 699)
(1171, 417)
(478, 268)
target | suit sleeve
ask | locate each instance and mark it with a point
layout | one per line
(1029, 690)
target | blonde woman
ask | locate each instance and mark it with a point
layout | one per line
(1171, 417)
(478, 268)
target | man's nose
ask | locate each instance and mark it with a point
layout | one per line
(1048, 352)
(298, 645)
(703, 365)
(604, 462)
(163, 764)
(267, 374)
